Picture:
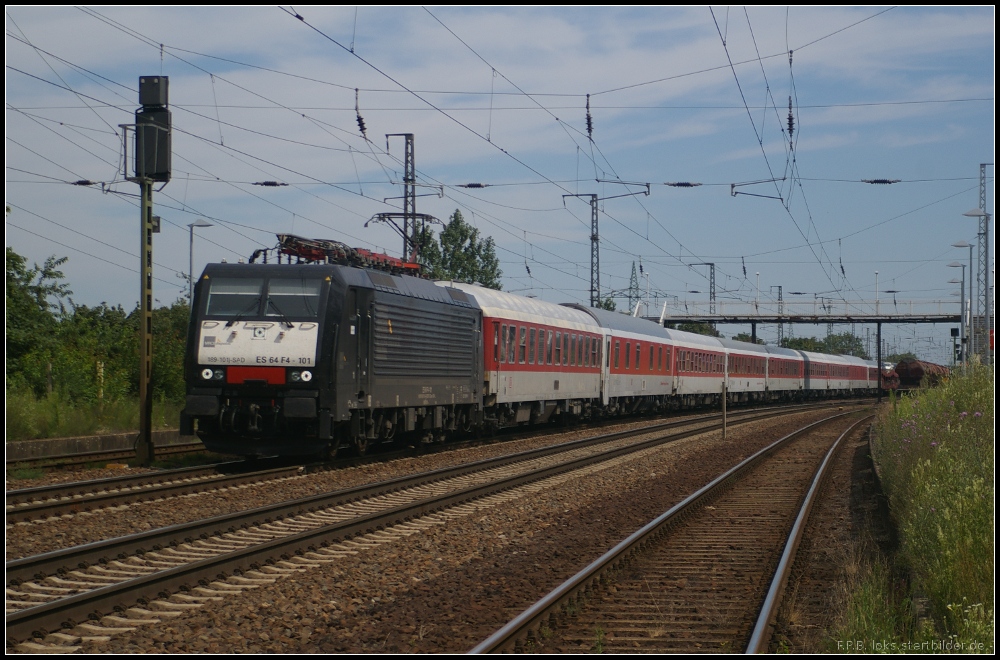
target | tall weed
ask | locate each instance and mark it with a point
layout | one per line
(56, 415)
(935, 451)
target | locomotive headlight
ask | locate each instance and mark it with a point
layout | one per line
(218, 374)
(206, 374)
(295, 376)
(307, 376)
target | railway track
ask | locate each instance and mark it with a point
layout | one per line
(63, 461)
(64, 589)
(706, 576)
(50, 502)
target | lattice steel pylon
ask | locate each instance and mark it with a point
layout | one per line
(984, 300)
(633, 291)
(711, 284)
(409, 195)
(982, 307)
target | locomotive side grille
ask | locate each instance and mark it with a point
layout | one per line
(412, 342)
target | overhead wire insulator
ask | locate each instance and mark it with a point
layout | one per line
(361, 121)
(883, 182)
(590, 121)
(791, 122)
(473, 185)
(681, 184)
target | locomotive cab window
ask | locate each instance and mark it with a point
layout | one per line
(231, 296)
(296, 298)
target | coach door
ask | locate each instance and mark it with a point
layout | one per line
(493, 361)
(606, 371)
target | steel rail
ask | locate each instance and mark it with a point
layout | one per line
(24, 623)
(760, 638)
(19, 570)
(148, 491)
(82, 458)
(525, 625)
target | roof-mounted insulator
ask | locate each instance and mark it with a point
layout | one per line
(361, 121)
(882, 182)
(590, 121)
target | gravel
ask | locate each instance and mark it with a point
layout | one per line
(449, 585)
(26, 539)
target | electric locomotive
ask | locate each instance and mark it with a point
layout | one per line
(305, 358)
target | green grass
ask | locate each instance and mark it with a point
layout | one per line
(57, 416)
(935, 452)
(20, 473)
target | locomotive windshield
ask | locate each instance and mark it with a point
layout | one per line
(242, 297)
(294, 298)
(231, 296)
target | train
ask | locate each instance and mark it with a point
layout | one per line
(913, 373)
(346, 349)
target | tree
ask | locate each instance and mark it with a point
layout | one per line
(896, 358)
(746, 337)
(33, 298)
(460, 255)
(845, 344)
(841, 344)
(810, 344)
(696, 328)
(607, 304)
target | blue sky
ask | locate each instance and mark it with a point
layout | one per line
(498, 96)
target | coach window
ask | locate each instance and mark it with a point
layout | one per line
(541, 346)
(512, 345)
(565, 349)
(638, 352)
(522, 353)
(558, 352)
(531, 346)
(503, 343)
(585, 347)
(628, 355)
(572, 350)
(579, 351)
(618, 346)
(548, 347)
